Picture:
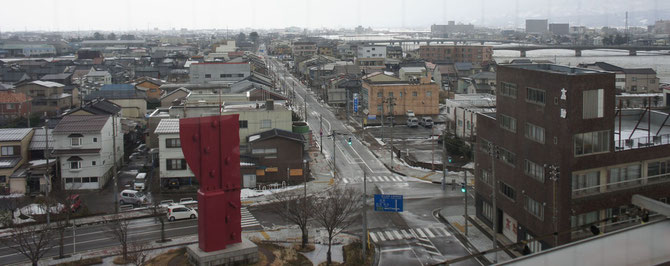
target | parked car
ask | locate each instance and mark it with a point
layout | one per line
(134, 197)
(176, 212)
(141, 148)
(409, 113)
(412, 122)
(75, 202)
(426, 121)
(166, 203)
(140, 181)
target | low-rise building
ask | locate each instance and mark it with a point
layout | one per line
(47, 96)
(132, 101)
(84, 147)
(407, 73)
(386, 94)
(630, 80)
(98, 76)
(218, 72)
(14, 144)
(304, 49)
(461, 113)
(279, 156)
(14, 105)
(456, 53)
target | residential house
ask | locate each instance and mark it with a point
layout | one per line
(304, 49)
(394, 52)
(151, 87)
(147, 71)
(279, 156)
(173, 166)
(560, 157)
(167, 99)
(339, 88)
(14, 143)
(218, 72)
(178, 76)
(386, 94)
(445, 75)
(133, 102)
(84, 147)
(371, 57)
(14, 105)
(47, 96)
(62, 78)
(630, 80)
(461, 113)
(98, 76)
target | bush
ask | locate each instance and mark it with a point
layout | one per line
(82, 262)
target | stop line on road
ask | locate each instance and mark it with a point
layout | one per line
(375, 179)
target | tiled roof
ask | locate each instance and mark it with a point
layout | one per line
(76, 151)
(13, 97)
(648, 71)
(99, 107)
(14, 134)
(178, 89)
(117, 87)
(9, 162)
(39, 141)
(167, 126)
(81, 123)
(48, 84)
(116, 94)
(57, 76)
(276, 133)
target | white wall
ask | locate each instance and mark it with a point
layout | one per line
(165, 153)
(372, 51)
(198, 72)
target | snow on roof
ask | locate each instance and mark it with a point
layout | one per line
(254, 137)
(167, 126)
(49, 84)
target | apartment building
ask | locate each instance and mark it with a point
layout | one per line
(47, 96)
(218, 72)
(456, 53)
(14, 143)
(559, 156)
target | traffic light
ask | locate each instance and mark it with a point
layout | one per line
(463, 187)
(449, 159)
(349, 141)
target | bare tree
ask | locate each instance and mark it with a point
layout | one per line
(336, 211)
(137, 254)
(159, 214)
(296, 208)
(10, 205)
(33, 242)
(66, 199)
(117, 227)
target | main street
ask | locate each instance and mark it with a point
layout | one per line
(412, 237)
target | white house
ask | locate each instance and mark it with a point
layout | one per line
(461, 112)
(172, 163)
(83, 145)
(371, 51)
(98, 76)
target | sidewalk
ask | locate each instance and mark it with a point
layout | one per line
(477, 239)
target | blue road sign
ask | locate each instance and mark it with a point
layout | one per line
(372, 117)
(388, 203)
(355, 105)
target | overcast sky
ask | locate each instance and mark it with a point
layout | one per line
(119, 15)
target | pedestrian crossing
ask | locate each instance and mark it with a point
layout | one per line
(414, 233)
(248, 220)
(375, 179)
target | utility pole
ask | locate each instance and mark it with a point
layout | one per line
(444, 160)
(553, 176)
(382, 113)
(347, 101)
(364, 239)
(391, 104)
(334, 151)
(46, 171)
(465, 181)
(114, 177)
(321, 132)
(494, 155)
(304, 101)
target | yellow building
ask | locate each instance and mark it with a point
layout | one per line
(392, 95)
(14, 145)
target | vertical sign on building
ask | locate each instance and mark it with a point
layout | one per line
(355, 102)
(509, 227)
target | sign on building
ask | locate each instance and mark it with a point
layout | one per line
(509, 227)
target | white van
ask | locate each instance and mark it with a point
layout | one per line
(412, 122)
(140, 180)
(426, 121)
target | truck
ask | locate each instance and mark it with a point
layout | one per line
(139, 183)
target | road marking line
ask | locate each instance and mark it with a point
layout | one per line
(345, 180)
(265, 235)
(407, 235)
(395, 249)
(430, 234)
(389, 235)
(446, 233)
(387, 179)
(381, 236)
(420, 232)
(374, 238)
(398, 236)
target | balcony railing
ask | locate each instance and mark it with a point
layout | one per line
(620, 185)
(642, 142)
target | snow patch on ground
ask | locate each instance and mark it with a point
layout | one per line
(379, 140)
(252, 193)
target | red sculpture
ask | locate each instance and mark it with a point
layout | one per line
(211, 147)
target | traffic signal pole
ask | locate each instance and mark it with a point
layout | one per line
(465, 181)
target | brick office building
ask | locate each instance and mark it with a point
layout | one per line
(556, 116)
(456, 53)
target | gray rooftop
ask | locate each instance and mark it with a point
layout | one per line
(168, 126)
(39, 141)
(552, 68)
(14, 134)
(81, 123)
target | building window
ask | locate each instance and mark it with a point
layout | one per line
(508, 89)
(485, 146)
(95, 139)
(533, 207)
(75, 165)
(266, 123)
(173, 143)
(585, 183)
(508, 122)
(534, 170)
(93, 163)
(592, 103)
(11, 150)
(658, 171)
(379, 107)
(244, 124)
(535, 133)
(624, 176)
(507, 156)
(10, 106)
(584, 218)
(75, 141)
(175, 164)
(3, 179)
(592, 142)
(486, 177)
(536, 96)
(207, 76)
(429, 93)
(380, 94)
(415, 94)
(508, 191)
(390, 94)
(240, 75)
(487, 210)
(634, 78)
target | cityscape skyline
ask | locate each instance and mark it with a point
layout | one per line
(397, 14)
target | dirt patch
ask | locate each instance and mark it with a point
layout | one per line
(172, 257)
(82, 262)
(277, 255)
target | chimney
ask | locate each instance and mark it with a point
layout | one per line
(269, 105)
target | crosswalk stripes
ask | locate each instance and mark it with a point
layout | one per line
(413, 233)
(375, 179)
(248, 220)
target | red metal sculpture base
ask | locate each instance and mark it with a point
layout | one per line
(211, 147)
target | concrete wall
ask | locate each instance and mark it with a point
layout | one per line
(218, 72)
